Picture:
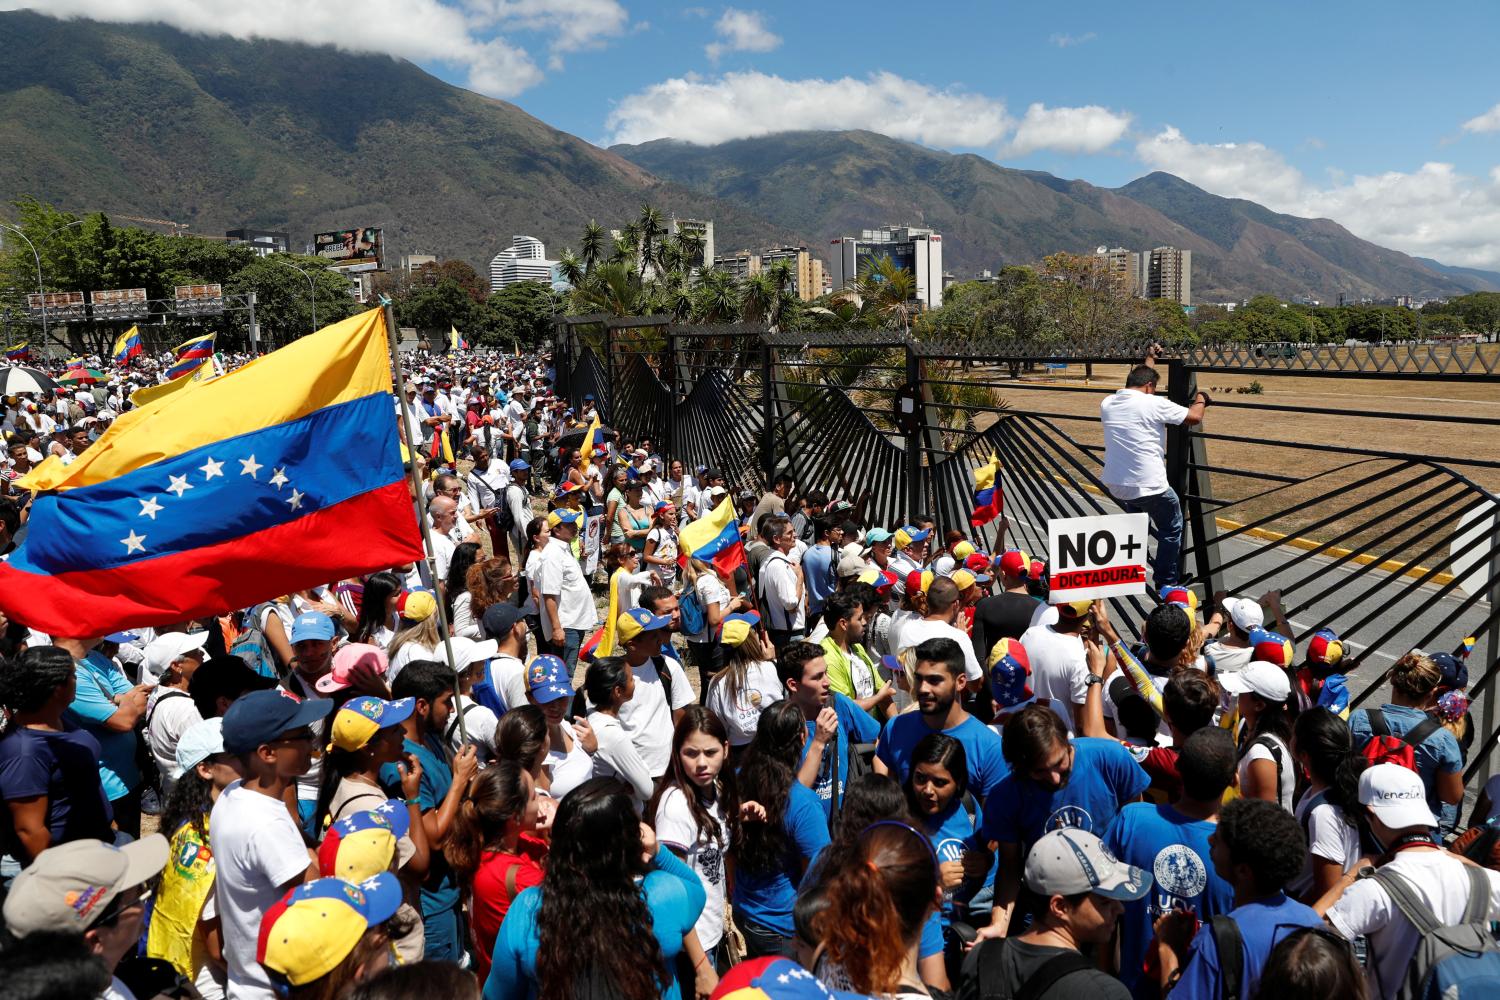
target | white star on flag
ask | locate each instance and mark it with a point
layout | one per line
(211, 469)
(296, 498)
(133, 543)
(149, 507)
(180, 485)
(278, 478)
(249, 467)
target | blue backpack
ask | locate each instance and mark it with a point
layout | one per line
(694, 615)
(1461, 962)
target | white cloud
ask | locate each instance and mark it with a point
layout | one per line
(739, 105)
(1434, 211)
(1064, 41)
(1090, 129)
(741, 31)
(461, 35)
(1487, 122)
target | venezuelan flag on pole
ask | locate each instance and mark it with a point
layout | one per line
(127, 346)
(714, 539)
(281, 475)
(590, 438)
(191, 354)
(20, 352)
(455, 341)
(988, 500)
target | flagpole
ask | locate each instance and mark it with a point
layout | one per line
(391, 333)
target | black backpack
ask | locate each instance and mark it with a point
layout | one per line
(983, 975)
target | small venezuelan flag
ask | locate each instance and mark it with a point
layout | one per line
(988, 500)
(278, 476)
(20, 352)
(191, 354)
(128, 346)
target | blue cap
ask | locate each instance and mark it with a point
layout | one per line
(588, 397)
(877, 535)
(519, 465)
(312, 625)
(1455, 671)
(547, 679)
(259, 717)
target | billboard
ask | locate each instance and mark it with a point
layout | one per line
(350, 248)
(199, 300)
(120, 303)
(59, 305)
(902, 255)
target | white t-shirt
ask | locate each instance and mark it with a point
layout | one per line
(1288, 776)
(647, 717)
(560, 576)
(617, 756)
(711, 590)
(1059, 669)
(784, 606)
(1135, 441)
(1329, 836)
(257, 850)
(1438, 879)
(567, 770)
(1228, 659)
(916, 631)
(762, 688)
(172, 713)
(410, 652)
(508, 677)
(443, 548)
(479, 722)
(666, 548)
(676, 826)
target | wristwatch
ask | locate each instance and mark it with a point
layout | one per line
(1092, 679)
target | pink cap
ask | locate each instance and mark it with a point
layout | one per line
(351, 660)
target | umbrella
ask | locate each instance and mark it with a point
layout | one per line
(574, 438)
(80, 376)
(18, 378)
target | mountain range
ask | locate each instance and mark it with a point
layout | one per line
(218, 133)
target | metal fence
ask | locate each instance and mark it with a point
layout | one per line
(1385, 532)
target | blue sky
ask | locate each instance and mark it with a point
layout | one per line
(1383, 116)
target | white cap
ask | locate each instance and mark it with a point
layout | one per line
(467, 651)
(1245, 613)
(1259, 677)
(1069, 861)
(1396, 796)
(166, 649)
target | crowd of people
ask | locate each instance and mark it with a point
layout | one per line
(565, 756)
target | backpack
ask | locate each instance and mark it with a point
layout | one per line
(1274, 749)
(1230, 945)
(983, 976)
(505, 521)
(694, 615)
(1385, 748)
(1451, 963)
(252, 646)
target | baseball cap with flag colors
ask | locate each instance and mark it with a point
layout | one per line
(357, 722)
(963, 550)
(977, 563)
(1074, 609)
(1010, 673)
(773, 978)
(1182, 597)
(909, 534)
(547, 679)
(315, 926)
(1014, 562)
(637, 620)
(918, 580)
(416, 605)
(881, 579)
(564, 516)
(737, 628)
(1325, 647)
(362, 844)
(1271, 647)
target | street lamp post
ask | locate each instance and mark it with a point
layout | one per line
(40, 287)
(311, 288)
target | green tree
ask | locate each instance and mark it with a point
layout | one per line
(459, 271)
(433, 308)
(520, 313)
(283, 299)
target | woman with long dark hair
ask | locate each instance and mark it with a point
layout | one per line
(772, 855)
(377, 620)
(538, 534)
(489, 581)
(610, 914)
(1265, 737)
(696, 812)
(609, 684)
(495, 850)
(1329, 811)
(465, 554)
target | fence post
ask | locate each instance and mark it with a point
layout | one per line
(916, 437)
(1186, 457)
(611, 382)
(669, 447)
(768, 393)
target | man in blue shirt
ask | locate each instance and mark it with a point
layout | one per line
(1257, 848)
(831, 719)
(939, 681)
(1054, 783)
(818, 564)
(445, 781)
(108, 707)
(1172, 842)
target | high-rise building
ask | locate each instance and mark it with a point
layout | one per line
(1169, 274)
(914, 249)
(411, 261)
(1123, 268)
(704, 230)
(740, 265)
(524, 260)
(263, 242)
(806, 270)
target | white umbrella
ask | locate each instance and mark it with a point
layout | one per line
(18, 378)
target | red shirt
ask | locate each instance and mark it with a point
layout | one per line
(492, 900)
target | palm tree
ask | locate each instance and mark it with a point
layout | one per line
(651, 230)
(691, 243)
(717, 298)
(613, 287)
(758, 297)
(887, 292)
(591, 247)
(571, 268)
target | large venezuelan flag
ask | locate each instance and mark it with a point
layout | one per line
(714, 539)
(277, 476)
(128, 346)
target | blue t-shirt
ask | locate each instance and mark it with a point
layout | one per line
(953, 832)
(440, 888)
(1173, 848)
(817, 571)
(982, 750)
(1262, 925)
(1105, 776)
(1438, 753)
(64, 768)
(853, 721)
(99, 683)
(674, 895)
(767, 898)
